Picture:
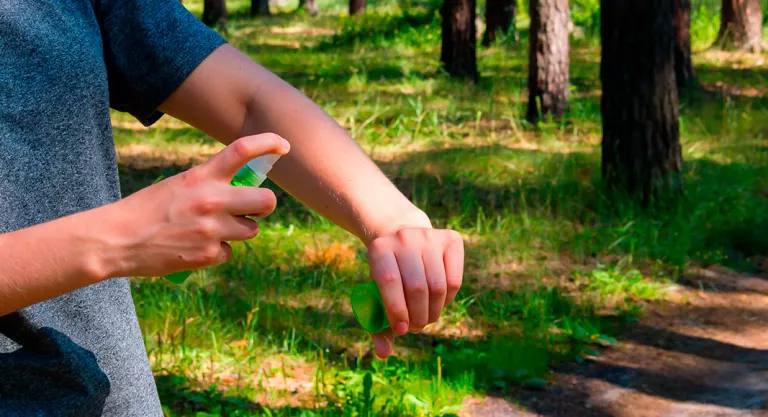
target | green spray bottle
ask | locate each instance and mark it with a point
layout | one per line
(251, 174)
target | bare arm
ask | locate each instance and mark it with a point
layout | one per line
(229, 96)
(177, 224)
(50, 259)
(418, 269)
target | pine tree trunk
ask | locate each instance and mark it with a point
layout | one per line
(684, 74)
(458, 53)
(499, 16)
(548, 77)
(215, 12)
(356, 6)
(259, 7)
(741, 23)
(641, 144)
(310, 6)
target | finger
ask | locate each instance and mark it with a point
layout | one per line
(385, 272)
(415, 285)
(236, 228)
(250, 201)
(228, 161)
(226, 250)
(435, 273)
(453, 258)
(384, 343)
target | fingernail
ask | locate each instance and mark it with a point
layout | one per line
(401, 328)
(286, 145)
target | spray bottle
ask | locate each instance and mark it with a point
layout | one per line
(252, 175)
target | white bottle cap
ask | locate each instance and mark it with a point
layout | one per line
(263, 164)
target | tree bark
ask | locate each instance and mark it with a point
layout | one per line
(310, 6)
(684, 74)
(741, 24)
(499, 16)
(260, 8)
(458, 53)
(356, 6)
(548, 77)
(215, 12)
(641, 145)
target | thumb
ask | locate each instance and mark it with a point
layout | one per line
(226, 163)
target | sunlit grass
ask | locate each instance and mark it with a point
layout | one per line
(555, 266)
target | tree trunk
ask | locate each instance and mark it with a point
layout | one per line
(259, 7)
(215, 12)
(458, 52)
(741, 23)
(499, 16)
(684, 74)
(641, 144)
(310, 6)
(548, 79)
(356, 6)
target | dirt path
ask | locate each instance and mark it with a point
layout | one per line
(703, 354)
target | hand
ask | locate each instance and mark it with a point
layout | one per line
(418, 272)
(182, 223)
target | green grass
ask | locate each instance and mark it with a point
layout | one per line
(555, 266)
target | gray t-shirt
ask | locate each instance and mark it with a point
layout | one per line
(63, 64)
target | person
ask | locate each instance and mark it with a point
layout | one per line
(70, 342)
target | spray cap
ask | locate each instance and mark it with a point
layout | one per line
(263, 164)
(368, 307)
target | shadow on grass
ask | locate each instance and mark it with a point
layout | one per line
(680, 388)
(180, 395)
(670, 340)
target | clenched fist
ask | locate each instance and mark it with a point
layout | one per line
(418, 271)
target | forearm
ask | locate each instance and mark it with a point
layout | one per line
(50, 259)
(326, 170)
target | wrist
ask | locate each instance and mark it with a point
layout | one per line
(404, 217)
(106, 257)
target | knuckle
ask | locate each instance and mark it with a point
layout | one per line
(240, 148)
(209, 204)
(402, 234)
(438, 288)
(455, 236)
(191, 177)
(206, 229)
(378, 245)
(454, 283)
(417, 288)
(388, 278)
(397, 309)
(210, 254)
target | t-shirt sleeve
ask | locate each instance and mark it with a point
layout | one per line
(150, 47)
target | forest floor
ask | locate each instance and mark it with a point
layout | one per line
(609, 309)
(703, 352)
